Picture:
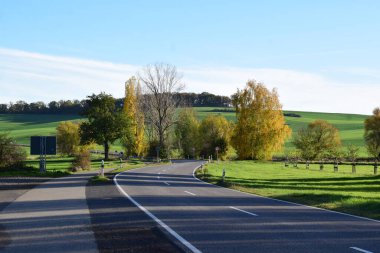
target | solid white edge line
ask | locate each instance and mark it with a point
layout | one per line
(361, 250)
(161, 223)
(190, 193)
(241, 210)
(284, 201)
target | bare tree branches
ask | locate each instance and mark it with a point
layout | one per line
(160, 83)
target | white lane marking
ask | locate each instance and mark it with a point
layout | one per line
(238, 209)
(166, 183)
(361, 250)
(190, 193)
(284, 201)
(161, 223)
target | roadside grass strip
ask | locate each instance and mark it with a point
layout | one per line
(351, 194)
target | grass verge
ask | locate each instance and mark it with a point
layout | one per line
(99, 179)
(61, 166)
(356, 194)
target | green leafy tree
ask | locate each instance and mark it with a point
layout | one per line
(318, 140)
(260, 128)
(215, 131)
(372, 134)
(105, 124)
(11, 156)
(187, 132)
(68, 139)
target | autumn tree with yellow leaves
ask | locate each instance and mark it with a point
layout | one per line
(133, 141)
(215, 135)
(260, 128)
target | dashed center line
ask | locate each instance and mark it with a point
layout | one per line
(166, 183)
(190, 193)
(361, 250)
(238, 209)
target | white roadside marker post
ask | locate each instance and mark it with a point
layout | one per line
(102, 169)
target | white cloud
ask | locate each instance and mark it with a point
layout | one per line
(32, 77)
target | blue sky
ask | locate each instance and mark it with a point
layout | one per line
(311, 51)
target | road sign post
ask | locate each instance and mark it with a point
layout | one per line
(217, 155)
(42, 146)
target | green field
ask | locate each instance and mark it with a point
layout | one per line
(351, 193)
(22, 126)
(351, 126)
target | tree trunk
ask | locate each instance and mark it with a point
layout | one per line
(106, 150)
(375, 167)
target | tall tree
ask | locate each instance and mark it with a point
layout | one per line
(317, 140)
(215, 132)
(160, 83)
(260, 129)
(187, 132)
(68, 139)
(105, 124)
(133, 142)
(372, 133)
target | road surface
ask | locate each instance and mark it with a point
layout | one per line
(52, 217)
(207, 218)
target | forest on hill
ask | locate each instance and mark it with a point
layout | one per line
(186, 99)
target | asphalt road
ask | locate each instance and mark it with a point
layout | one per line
(119, 226)
(52, 217)
(213, 219)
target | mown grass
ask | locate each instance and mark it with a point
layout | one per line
(99, 179)
(351, 193)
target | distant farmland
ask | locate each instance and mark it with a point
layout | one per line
(22, 126)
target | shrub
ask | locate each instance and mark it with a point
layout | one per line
(11, 156)
(82, 159)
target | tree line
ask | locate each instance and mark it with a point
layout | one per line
(78, 106)
(147, 123)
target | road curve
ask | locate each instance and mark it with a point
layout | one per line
(208, 218)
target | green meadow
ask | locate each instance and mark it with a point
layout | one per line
(351, 128)
(340, 191)
(22, 126)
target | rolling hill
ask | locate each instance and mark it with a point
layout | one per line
(22, 126)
